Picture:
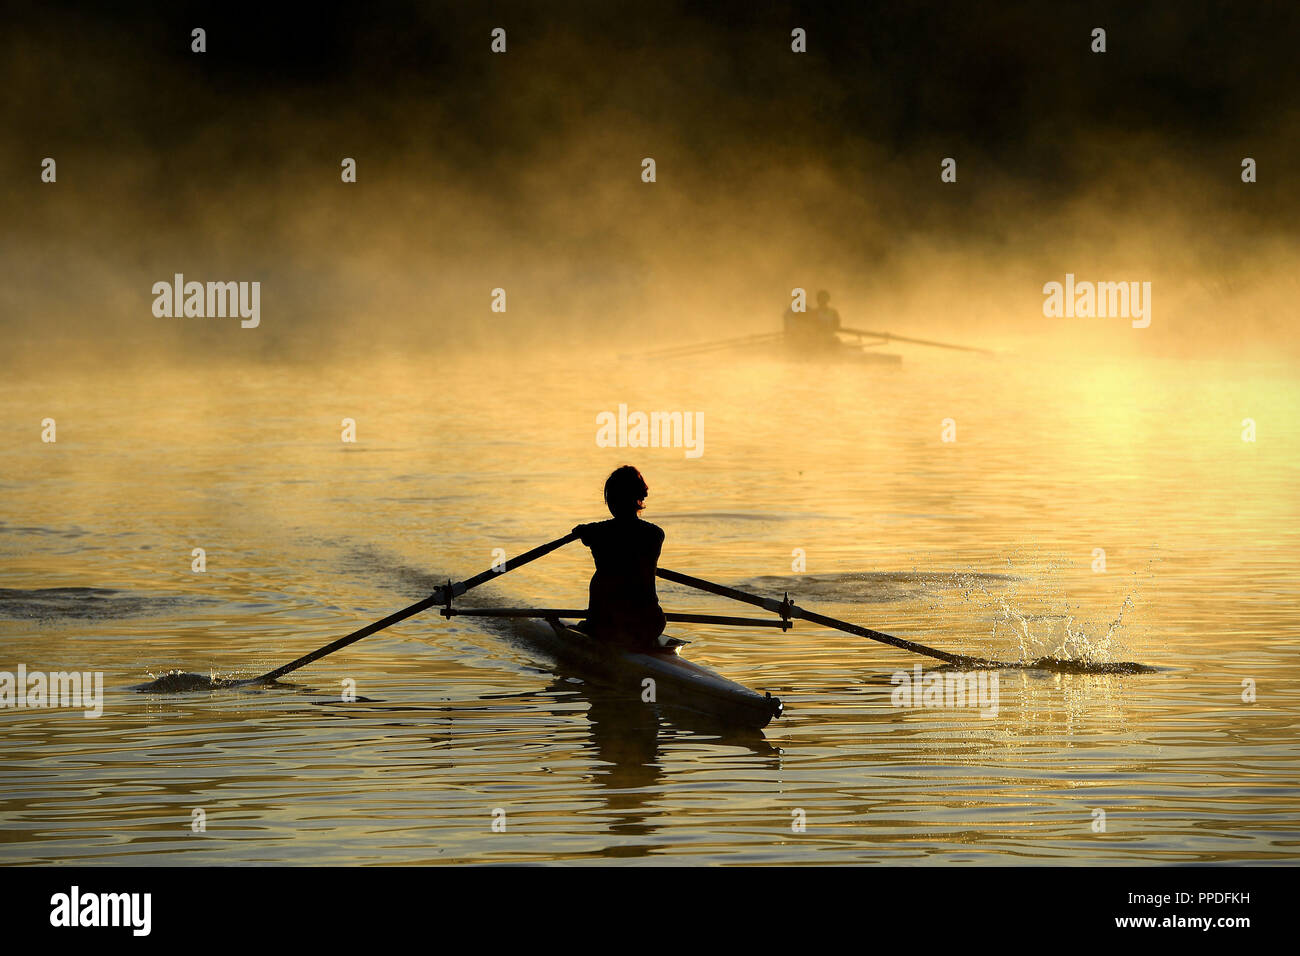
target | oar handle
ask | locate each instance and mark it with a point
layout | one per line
(441, 596)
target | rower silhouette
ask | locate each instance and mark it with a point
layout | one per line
(623, 605)
(813, 330)
(827, 320)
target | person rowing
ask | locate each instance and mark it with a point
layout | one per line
(825, 319)
(623, 605)
(815, 330)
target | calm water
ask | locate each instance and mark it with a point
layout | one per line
(985, 545)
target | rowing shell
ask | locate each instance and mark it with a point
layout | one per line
(833, 351)
(679, 684)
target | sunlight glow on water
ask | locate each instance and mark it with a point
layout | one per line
(982, 547)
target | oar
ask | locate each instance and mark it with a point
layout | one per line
(679, 351)
(903, 338)
(440, 596)
(788, 609)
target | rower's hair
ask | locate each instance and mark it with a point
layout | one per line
(625, 491)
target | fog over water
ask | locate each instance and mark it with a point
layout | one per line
(522, 171)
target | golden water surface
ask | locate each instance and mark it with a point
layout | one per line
(990, 544)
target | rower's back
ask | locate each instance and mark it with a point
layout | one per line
(825, 320)
(623, 604)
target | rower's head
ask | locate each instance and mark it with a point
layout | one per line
(625, 492)
(823, 297)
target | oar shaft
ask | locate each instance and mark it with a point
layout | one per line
(342, 642)
(721, 590)
(903, 338)
(515, 562)
(540, 612)
(439, 596)
(779, 607)
(677, 351)
(901, 643)
(676, 617)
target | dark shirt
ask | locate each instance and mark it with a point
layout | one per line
(623, 604)
(813, 330)
(828, 319)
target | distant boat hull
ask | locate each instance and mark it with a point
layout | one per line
(837, 352)
(846, 354)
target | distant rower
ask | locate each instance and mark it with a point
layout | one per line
(623, 604)
(828, 319)
(815, 329)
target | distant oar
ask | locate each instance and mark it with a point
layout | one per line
(788, 608)
(439, 596)
(903, 338)
(679, 351)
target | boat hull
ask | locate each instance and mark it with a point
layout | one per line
(843, 353)
(829, 353)
(679, 685)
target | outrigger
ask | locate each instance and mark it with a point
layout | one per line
(661, 677)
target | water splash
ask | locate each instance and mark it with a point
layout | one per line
(1063, 665)
(1055, 639)
(181, 682)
